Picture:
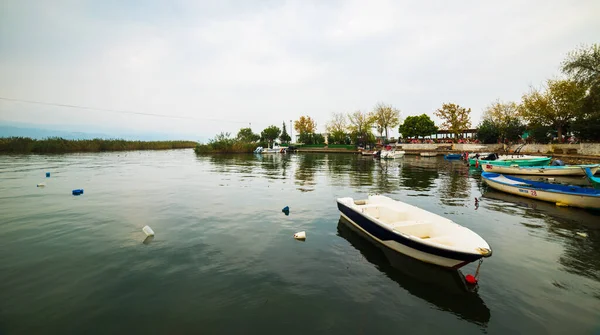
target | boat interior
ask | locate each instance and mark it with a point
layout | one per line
(418, 224)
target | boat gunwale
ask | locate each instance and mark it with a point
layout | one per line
(420, 245)
(530, 184)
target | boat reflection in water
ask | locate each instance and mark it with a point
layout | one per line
(444, 288)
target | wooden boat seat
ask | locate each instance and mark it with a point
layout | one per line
(420, 229)
(442, 240)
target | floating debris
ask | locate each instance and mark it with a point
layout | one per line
(78, 191)
(286, 210)
(148, 231)
(148, 239)
(300, 236)
(581, 234)
(47, 174)
(41, 185)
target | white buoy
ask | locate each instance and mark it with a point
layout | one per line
(582, 234)
(148, 231)
(41, 185)
(300, 236)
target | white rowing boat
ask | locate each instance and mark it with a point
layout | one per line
(391, 154)
(414, 232)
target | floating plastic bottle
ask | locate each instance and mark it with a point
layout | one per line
(41, 185)
(300, 236)
(78, 191)
(148, 231)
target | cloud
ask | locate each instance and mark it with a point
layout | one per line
(263, 63)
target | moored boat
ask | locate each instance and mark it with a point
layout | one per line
(367, 153)
(452, 156)
(428, 154)
(562, 195)
(507, 160)
(567, 170)
(590, 175)
(391, 154)
(414, 232)
(276, 149)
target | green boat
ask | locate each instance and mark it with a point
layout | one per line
(508, 160)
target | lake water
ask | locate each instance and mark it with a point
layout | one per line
(224, 261)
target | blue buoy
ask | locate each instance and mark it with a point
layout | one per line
(47, 174)
(286, 210)
(78, 192)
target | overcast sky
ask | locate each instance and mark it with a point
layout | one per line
(225, 64)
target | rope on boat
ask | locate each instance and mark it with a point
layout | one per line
(478, 267)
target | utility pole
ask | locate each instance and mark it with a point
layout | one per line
(291, 132)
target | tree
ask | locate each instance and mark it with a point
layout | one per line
(284, 137)
(488, 132)
(583, 65)
(337, 128)
(419, 126)
(505, 118)
(385, 117)
(513, 130)
(360, 127)
(246, 135)
(539, 133)
(305, 125)
(270, 133)
(456, 118)
(556, 107)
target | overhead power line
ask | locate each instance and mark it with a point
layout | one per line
(118, 111)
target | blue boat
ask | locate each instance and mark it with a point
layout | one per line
(452, 156)
(590, 174)
(561, 195)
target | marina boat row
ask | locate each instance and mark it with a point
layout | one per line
(567, 170)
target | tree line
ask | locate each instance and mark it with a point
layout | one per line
(569, 105)
(561, 106)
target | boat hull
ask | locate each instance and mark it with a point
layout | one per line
(540, 171)
(573, 200)
(509, 162)
(392, 154)
(428, 154)
(452, 156)
(404, 245)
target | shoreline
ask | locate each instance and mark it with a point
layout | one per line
(567, 158)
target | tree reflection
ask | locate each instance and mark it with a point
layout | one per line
(231, 163)
(455, 186)
(361, 173)
(386, 176)
(307, 165)
(339, 167)
(419, 176)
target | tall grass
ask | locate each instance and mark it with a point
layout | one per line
(223, 144)
(61, 145)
